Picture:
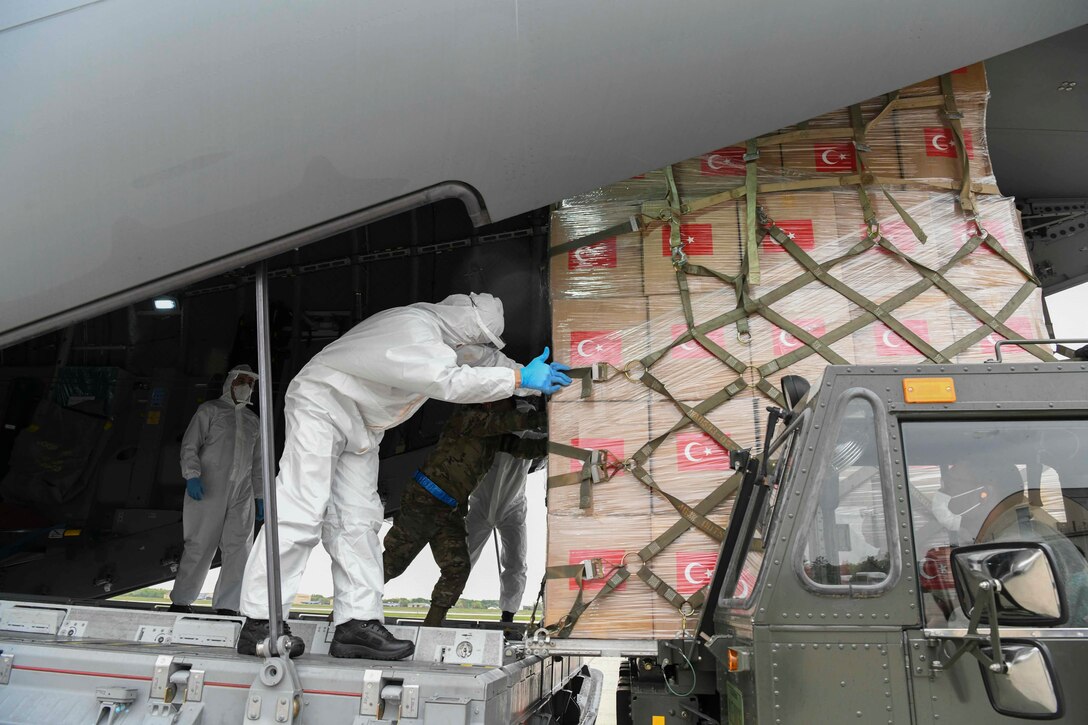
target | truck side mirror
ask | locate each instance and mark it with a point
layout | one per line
(794, 390)
(1027, 688)
(1021, 574)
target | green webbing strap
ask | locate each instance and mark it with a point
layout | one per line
(563, 627)
(750, 262)
(996, 324)
(878, 311)
(691, 414)
(584, 478)
(860, 149)
(689, 317)
(659, 585)
(891, 101)
(991, 241)
(631, 225)
(564, 571)
(967, 198)
(716, 497)
(697, 520)
(919, 234)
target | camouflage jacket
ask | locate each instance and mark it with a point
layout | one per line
(469, 442)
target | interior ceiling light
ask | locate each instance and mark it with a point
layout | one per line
(1067, 86)
(166, 303)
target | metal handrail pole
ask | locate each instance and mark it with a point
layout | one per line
(271, 520)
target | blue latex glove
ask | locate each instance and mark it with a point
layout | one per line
(547, 378)
(260, 509)
(195, 488)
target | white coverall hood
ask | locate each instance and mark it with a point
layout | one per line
(244, 394)
(472, 319)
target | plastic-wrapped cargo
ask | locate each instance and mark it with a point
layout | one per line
(872, 234)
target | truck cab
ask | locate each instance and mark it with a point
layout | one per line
(911, 548)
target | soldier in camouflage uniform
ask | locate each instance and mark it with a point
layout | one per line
(433, 508)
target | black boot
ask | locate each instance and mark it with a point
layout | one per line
(182, 608)
(256, 630)
(507, 617)
(368, 640)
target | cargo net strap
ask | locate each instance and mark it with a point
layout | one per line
(602, 465)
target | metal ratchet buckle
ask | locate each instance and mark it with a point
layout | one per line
(764, 220)
(872, 229)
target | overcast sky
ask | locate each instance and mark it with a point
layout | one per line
(1067, 312)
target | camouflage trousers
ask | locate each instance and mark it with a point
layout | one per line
(423, 520)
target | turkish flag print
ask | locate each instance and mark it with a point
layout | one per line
(800, 231)
(698, 239)
(692, 349)
(942, 142)
(694, 571)
(724, 162)
(699, 452)
(612, 445)
(835, 157)
(590, 346)
(890, 344)
(611, 558)
(601, 255)
(785, 343)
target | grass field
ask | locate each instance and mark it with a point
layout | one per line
(485, 615)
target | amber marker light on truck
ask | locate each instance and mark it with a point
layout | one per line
(929, 390)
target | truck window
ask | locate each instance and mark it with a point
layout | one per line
(846, 546)
(981, 481)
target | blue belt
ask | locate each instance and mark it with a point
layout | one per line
(434, 489)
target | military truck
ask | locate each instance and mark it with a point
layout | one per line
(909, 548)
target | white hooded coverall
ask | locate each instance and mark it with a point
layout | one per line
(221, 447)
(337, 409)
(499, 503)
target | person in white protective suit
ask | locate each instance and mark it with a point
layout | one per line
(221, 464)
(498, 504)
(337, 409)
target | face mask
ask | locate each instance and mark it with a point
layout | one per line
(242, 393)
(942, 510)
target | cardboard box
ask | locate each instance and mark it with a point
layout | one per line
(815, 308)
(689, 371)
(627, 611)
(809, 218)
(611, 267)
(686, 564)
(612, 330)
(927, 147)
(712, 239)
(619, 428)
(689, 464)
(1027, 321)
(723, 169)
(929, 316)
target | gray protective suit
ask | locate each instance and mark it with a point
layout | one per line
(221, 447)
(338, 408)
(499, 503)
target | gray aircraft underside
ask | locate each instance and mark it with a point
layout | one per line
(140, 140)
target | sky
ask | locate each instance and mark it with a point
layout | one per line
(1067, 313)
